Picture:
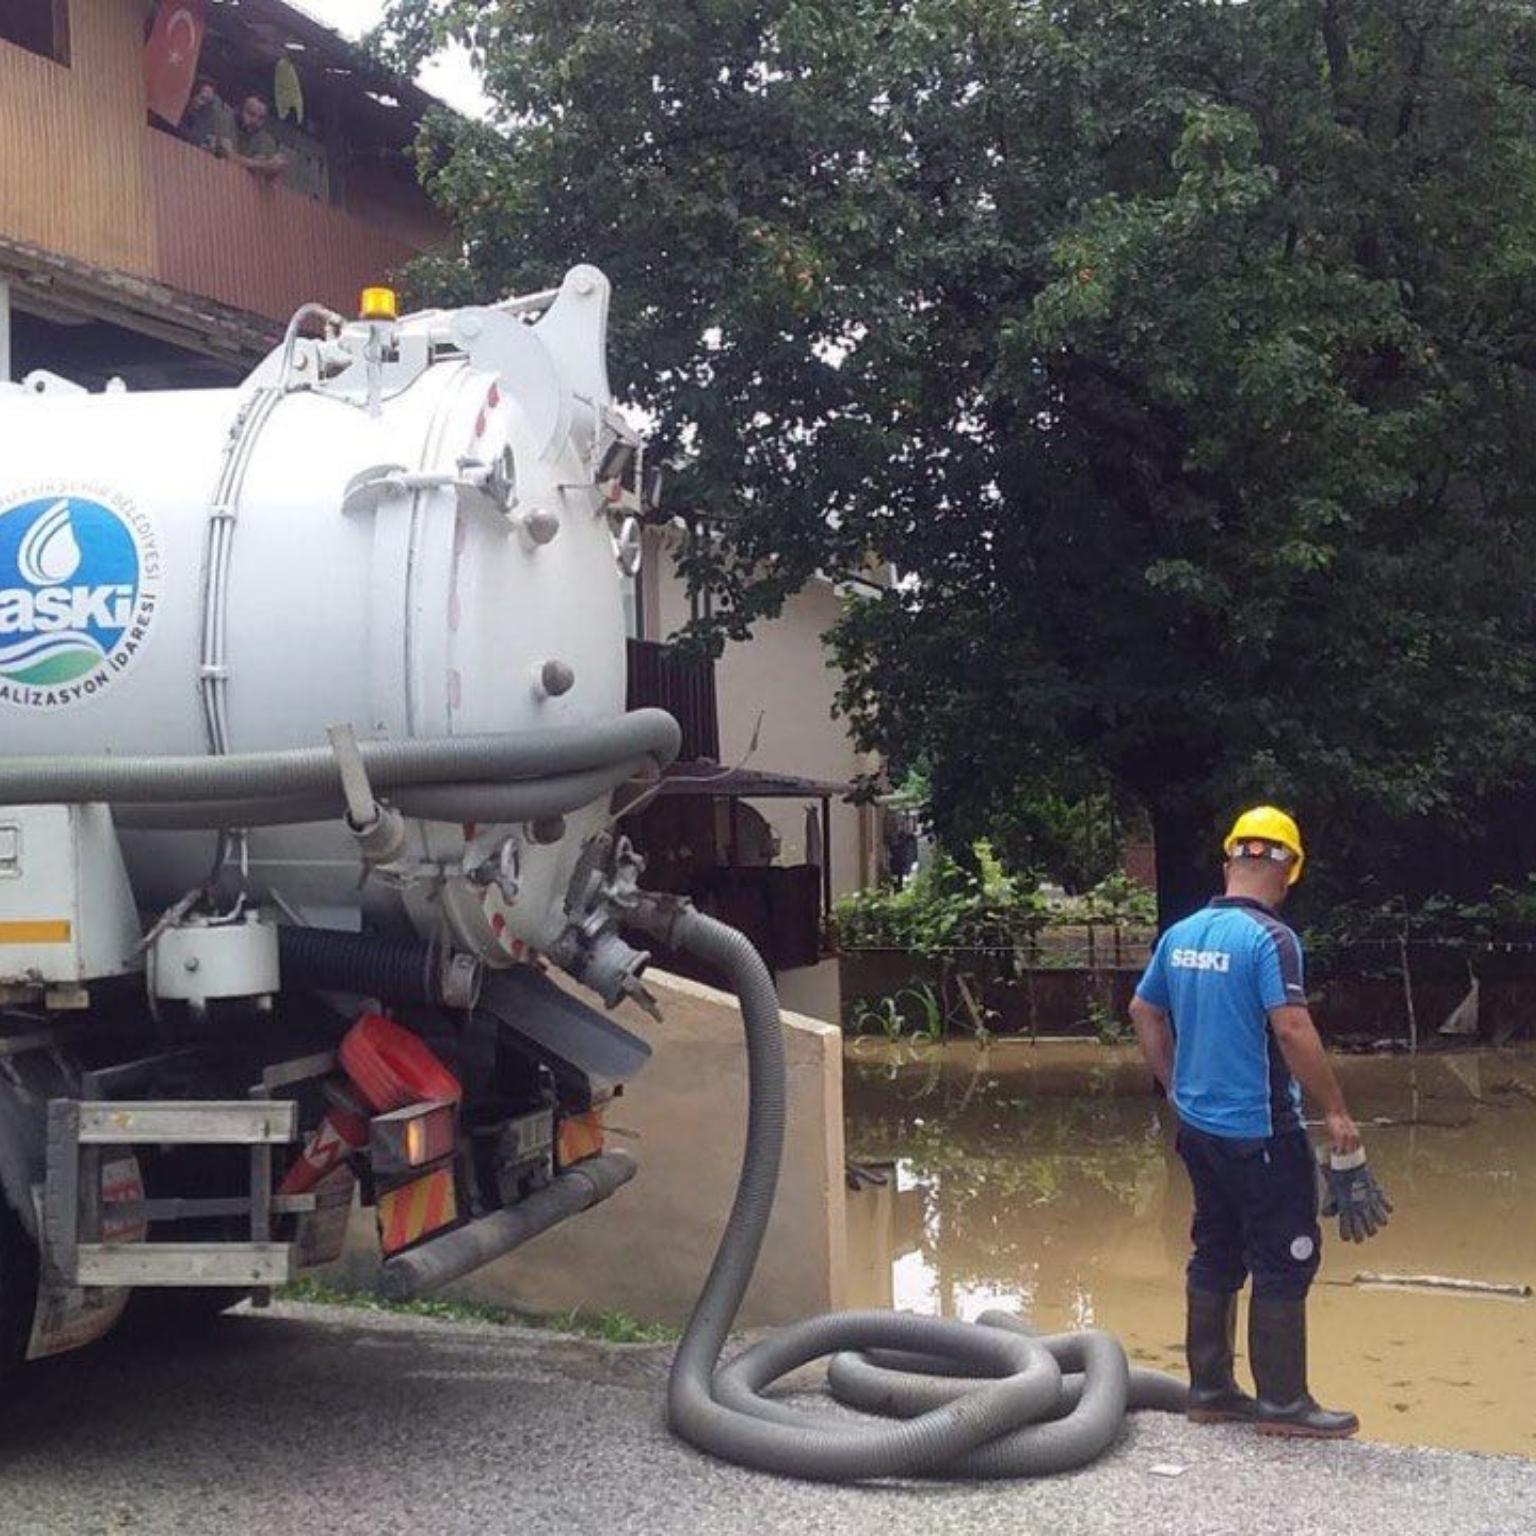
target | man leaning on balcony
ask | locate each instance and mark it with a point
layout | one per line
(207, 119)
(254, 145)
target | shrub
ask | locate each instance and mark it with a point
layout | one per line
(943, 907)
(947, 907)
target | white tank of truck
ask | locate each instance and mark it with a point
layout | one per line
(407, 528)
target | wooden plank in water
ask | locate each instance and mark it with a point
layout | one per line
(1442, 1283)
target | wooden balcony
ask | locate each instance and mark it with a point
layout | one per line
(105, 217)
(685, 688)
(224, 234)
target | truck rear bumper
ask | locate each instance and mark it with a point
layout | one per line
(440, 1259)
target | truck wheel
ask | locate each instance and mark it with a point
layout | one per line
(18, 1288)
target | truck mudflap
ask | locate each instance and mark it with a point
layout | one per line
(68, 1316)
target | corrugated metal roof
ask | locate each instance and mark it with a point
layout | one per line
(303, 27)
(705, 778)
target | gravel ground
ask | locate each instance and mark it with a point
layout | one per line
(314, 1421)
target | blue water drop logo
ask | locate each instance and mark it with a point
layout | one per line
(78, 590)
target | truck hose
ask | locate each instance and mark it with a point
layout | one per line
(987, 1400)
(326, 960)
(303, 771)
(519, 800)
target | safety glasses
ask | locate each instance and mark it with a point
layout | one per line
(1257, 849)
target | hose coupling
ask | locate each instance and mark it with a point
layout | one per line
(599, 958)
(378, 828)
(380, 840)
(657, 914)
(602, 896)
(458, 979)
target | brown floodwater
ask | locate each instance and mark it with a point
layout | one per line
(1042, 1178)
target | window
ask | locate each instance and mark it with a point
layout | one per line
(40, 26)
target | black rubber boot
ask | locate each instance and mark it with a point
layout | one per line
(1277, 1351)
(1210, 1336)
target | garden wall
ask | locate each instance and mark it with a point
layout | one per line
(1077, 1000)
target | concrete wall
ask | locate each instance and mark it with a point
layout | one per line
(647, 1250)
(783, 672)
(816, 990)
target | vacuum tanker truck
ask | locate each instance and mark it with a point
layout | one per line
(313, 745)
(312, 737)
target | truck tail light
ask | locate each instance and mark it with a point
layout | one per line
(579, 1136)
(412, 1137)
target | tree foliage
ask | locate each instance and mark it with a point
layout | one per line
(1179, 355)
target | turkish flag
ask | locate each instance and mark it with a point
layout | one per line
(170, 57)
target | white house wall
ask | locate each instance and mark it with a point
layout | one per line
(783, 673)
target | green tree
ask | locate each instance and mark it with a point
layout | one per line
(1179, 355)
(1075, 838)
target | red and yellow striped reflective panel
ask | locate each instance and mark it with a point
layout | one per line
(409, 1213)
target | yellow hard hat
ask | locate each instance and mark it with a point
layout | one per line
(1272, 826)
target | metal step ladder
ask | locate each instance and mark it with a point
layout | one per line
(73, 1210)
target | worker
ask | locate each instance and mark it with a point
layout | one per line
(253, 144)
(1221, 1016)
(207, 119)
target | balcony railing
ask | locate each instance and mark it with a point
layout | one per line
(225, 234)
(682, 686)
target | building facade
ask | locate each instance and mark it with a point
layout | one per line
(762, 828)
(126, 250)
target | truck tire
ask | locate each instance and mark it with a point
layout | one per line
(24, 1090)
(18, 1288)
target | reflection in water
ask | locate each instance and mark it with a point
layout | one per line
(1043, 1178)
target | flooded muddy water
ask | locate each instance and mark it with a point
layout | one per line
(1043, 1178)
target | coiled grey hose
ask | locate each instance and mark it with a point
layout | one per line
(391, 764)
(989, 1400)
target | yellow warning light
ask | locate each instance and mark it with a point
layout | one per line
(379, 304)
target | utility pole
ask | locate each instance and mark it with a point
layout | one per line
(5, 332)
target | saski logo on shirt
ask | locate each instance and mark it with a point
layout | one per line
(1200, 959)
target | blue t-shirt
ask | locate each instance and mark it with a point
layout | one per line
(1217, 973)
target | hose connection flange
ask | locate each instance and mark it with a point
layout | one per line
(603, 894)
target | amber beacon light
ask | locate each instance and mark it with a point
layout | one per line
(378, 304)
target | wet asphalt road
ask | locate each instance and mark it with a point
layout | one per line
(320, 1422)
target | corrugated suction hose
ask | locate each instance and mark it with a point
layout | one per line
(300, 772)
(975, 1400)
(518, 800)
(323, 960)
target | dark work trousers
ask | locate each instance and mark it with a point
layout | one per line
(1255, 1213)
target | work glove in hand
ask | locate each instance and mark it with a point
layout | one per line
(1351, 1193)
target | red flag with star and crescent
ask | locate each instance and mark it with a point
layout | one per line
(170, 57)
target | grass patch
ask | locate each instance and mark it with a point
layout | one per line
(610, 1327)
